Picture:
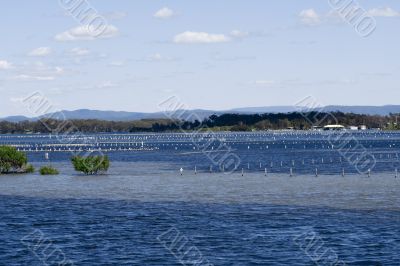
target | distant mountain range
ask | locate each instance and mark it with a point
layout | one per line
(199, 113)
(113, 115)
(368, 110)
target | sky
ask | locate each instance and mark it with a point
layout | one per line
(132, 55)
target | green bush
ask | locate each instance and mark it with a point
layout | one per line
(13, 161)
(48, 170)
(91, 165)
(29, 168)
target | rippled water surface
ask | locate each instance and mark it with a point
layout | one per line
(133, 214)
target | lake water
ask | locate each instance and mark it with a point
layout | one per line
(144, 212)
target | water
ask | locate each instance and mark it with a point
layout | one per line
(330, 153)
(124, 217)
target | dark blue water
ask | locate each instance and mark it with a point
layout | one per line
(145, 213)
(304, 152)
(102, 232)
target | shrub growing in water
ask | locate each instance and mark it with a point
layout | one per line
(91, 165)
(13, 161)
(48, 170)
(29, 168)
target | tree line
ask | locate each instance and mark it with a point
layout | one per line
(226, 122)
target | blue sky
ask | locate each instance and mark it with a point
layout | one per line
(211, 54)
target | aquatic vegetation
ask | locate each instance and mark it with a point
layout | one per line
(13, 161)
(91, 165)
(29, 168)
(48, 170)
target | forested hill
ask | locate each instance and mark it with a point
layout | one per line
(229, 122)
(86, 114)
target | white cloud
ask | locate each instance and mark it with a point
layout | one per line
(164, 13)
(41, 69)
(200, 37)
(383, 12)
(239, 34)
(309, 17)
(38, 71)
(333, 16)
(77, 51)
(100, 86)
(87, 33)
(41, 51)
(29, 77)
(5, 65)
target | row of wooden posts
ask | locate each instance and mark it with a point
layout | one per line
(369, 172)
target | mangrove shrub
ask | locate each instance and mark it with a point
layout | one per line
(13, 161)
(91, 165)
(48, 170)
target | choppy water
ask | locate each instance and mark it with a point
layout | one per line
(132, 215)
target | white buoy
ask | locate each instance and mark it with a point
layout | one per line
(181, 170)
